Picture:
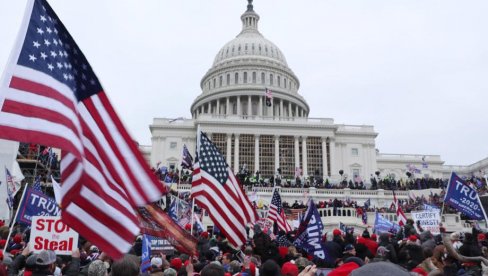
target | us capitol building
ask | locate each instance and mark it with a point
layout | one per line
(232, 111)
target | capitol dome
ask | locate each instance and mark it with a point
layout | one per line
(241, 72)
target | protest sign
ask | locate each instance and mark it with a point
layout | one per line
(35, 203)
(160, 245)
(51, 233)
(464, 198)
(428, 220)
(382, 225)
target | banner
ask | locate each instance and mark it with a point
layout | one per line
(155, 222)
(464, 198)
(382, 225)
(428, 220)
(428, 207)
(35, 203)
(160, 245)
(309, 234)
(50, 233)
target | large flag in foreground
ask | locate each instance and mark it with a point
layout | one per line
(309, 233)
(464, 198)
(216, 189)
(50, 95)
(276, 212)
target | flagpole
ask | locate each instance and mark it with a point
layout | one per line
(192, 212)
(11, 220)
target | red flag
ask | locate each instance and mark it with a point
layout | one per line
(51, 96)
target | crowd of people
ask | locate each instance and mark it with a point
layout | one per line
(408, 252)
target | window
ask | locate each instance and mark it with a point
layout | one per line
(236, 78)
(270, 79)
(214, 83)
(284, 82)
(220, 81)
(355, 173)
(228, 79)
(263, 78)
(173, 145)
(354, 152)
(253, 77)
(279, 81)
(245, 77)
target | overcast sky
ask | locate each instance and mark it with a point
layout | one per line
(417, 70)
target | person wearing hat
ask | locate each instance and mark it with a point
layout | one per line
(349, 251)
(382, 254)
(157, 266)
(289, 269)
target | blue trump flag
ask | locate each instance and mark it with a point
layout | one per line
(464, 198)
(146, 253)
(309, 234)
(382, 225)
(35, 203)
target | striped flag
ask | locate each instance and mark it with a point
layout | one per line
(268, 96)
(186, 159)
(401, 218)
(50, 95)
(276, 212)
(216, 189)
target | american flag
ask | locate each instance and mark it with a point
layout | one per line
(216, 189)
(401, 218)
(187, 159)
(276, 212)
(51, 96)
(269, 96)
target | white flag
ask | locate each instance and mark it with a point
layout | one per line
(57, 191)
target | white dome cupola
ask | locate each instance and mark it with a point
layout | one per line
(241, 71)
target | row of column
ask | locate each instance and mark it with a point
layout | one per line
(270, 111)
(277, 153)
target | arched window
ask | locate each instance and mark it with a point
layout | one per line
(284, 82)
(245, 77)
(263, 78)
(279, 81)
(228, 79)
(236, 78)
(220, 81)
(253, 77)
(270, 79)
(214, 82)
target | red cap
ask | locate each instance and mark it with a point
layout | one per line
(3, 243)
(204, 235)
(176, 263)
(283, 250)
(374, 237)
(289, 269)
(14, 252)
(412, 238)
(420, 271)
(481, 237)
(337, 232)
(18, 238)
(344, 269)
(188, 227)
